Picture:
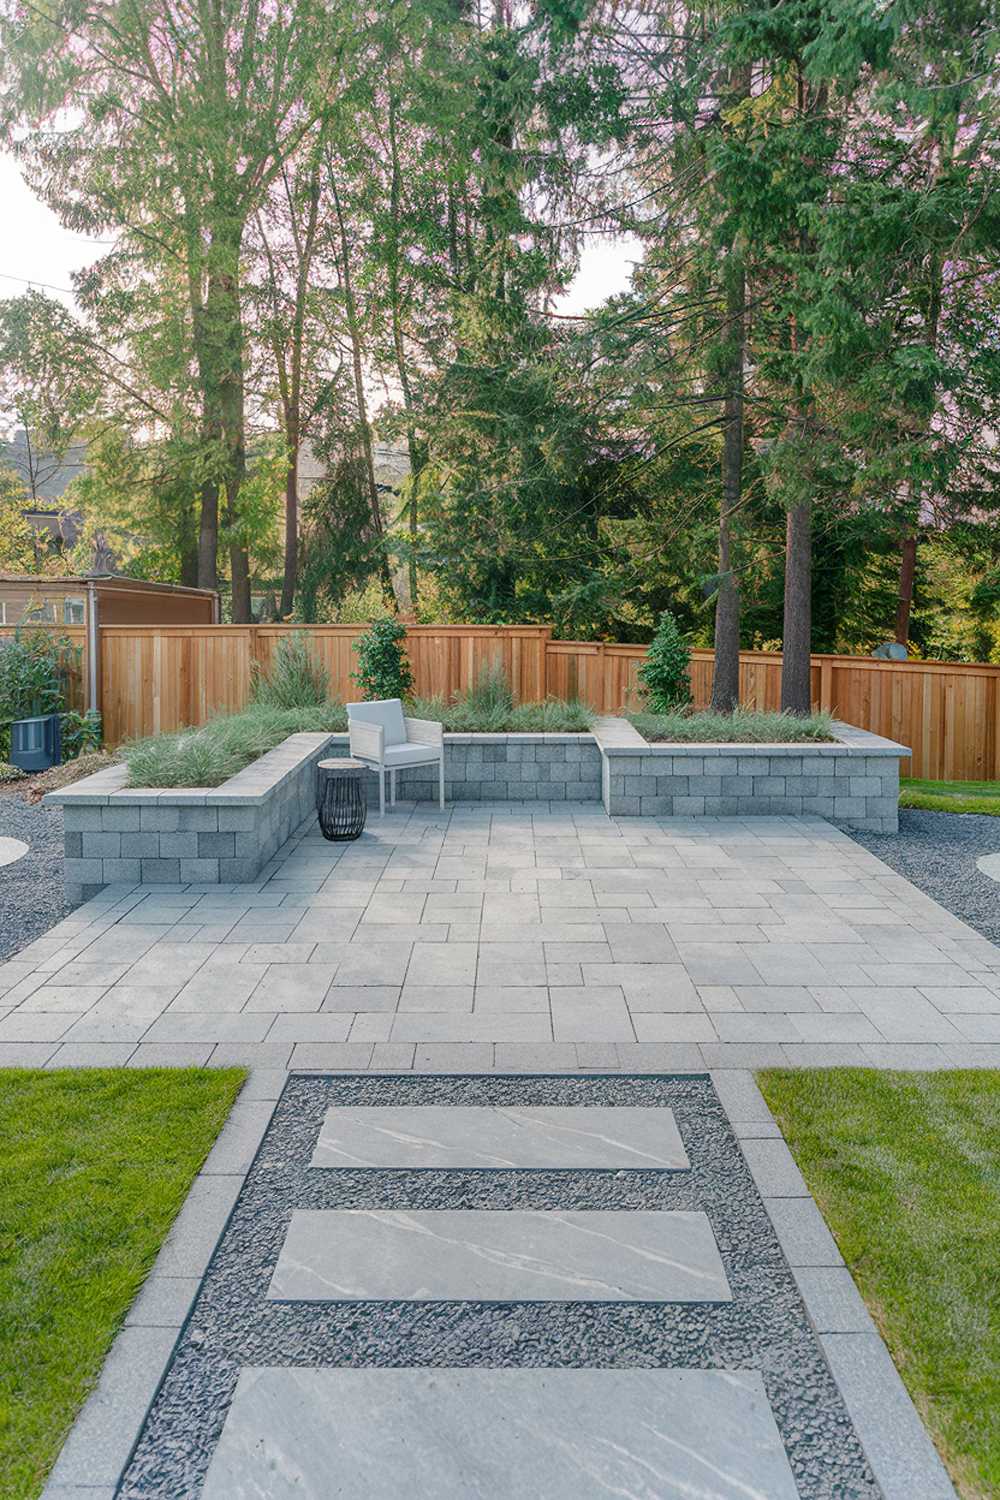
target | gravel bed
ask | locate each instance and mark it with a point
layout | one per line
(31, 889)
(938, 852)
(234, 1325)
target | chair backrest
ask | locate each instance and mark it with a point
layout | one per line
(385, 711)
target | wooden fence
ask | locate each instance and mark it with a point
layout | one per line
(156, 678)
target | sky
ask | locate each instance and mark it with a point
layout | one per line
(37, 250)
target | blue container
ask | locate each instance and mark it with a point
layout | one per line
(36, 744)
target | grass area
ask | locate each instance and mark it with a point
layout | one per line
(906, 1169)
(94, 1165)
(951, 796)
(743, 727)
(210, 755)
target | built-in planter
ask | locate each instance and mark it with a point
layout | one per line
(853, 780)
(205, 835)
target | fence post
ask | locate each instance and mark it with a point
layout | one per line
(826, 685)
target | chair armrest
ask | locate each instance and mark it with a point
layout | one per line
(424, 732)
(367, 741)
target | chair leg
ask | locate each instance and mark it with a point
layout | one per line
(392, 788)
(441, 781)
(381, 791)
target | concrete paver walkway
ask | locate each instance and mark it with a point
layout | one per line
(426, 1255)
(510, 938)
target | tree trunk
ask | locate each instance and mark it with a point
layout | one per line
(726, 672)
(415, 449)
(796, 684)
(907, 569)
(208, 536)
(290, 575)
(357, 366)
(189, 567)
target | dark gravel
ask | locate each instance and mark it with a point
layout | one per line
(938, 852)
(31, 889)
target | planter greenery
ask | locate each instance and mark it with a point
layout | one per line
(742, 727)
(210, 755)
(664, 675)
(383, 668)
(489, 708)
(295, 679)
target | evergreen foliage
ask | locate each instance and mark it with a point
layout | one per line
(383, 668)
(664, 675)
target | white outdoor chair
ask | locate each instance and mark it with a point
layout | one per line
(386, 739)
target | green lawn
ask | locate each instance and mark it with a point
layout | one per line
(951, 796)
(906, 1169)
(94, 1166)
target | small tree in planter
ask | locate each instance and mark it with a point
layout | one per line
(664, 673)
(383, 668)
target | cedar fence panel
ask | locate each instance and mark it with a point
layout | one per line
(156, 678)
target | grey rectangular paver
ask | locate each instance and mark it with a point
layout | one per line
(895, 1441)
(543, 1136)
(563, 1434)
(482, 1255)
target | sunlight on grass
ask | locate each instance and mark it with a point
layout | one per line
(906, 1170)
(951, 796)
(94, 1165)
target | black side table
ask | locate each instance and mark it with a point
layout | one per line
(340, 799)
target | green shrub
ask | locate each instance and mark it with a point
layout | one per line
(295, 680)
(210, 755)
(81, 733)
(10, 773)
(664, 673)
(33, 667)
(383, 668)
(743, 726)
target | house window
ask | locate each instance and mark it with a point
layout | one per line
(72, 611)
(40, 614)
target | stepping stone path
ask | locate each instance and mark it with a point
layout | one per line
(532, 1288)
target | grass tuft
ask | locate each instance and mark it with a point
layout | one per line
(210, 755)
(94, 1165)
(745, 726)
(904, 1167)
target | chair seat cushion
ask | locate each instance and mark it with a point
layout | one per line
(410, 755)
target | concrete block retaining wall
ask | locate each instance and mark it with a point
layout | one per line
(853, 782)
(227, 834)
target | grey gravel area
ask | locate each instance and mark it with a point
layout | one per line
(233, 1325)
(32, 898)
(937, 851)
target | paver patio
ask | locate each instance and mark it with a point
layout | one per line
(574, 1265)
(512, 938)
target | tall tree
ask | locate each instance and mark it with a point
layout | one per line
(186, 119)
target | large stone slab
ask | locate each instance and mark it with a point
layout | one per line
(476, 1434)
(544, 1136)
(506, 1256)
